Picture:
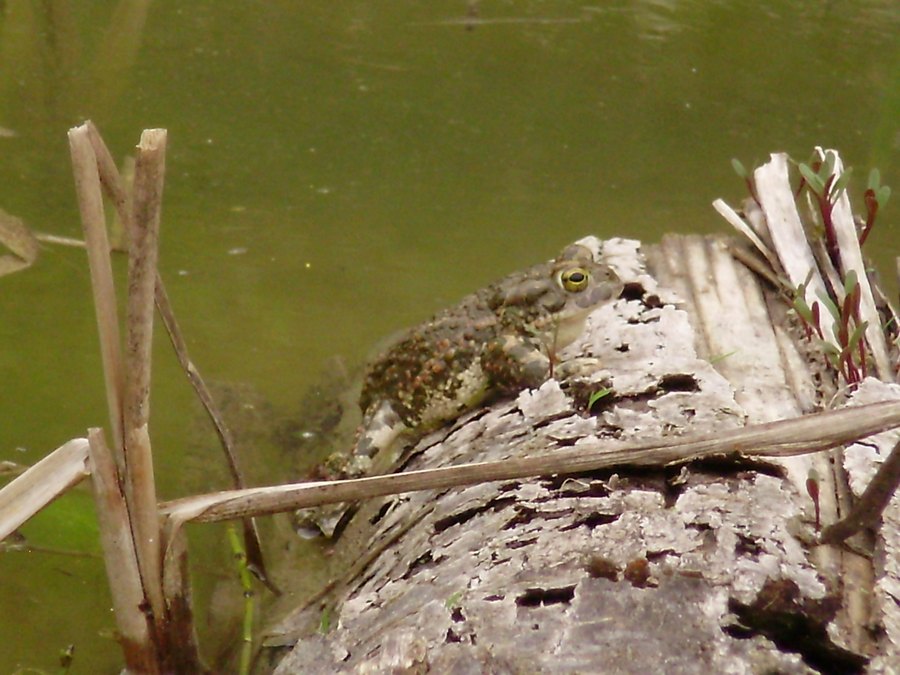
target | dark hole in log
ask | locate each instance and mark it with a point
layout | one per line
(521, 543)
(467, 514)
(678, 382)
(632, 290)
(535, 597)
(795, 625)
(591, 521)
(382, 512)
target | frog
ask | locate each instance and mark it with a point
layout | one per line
(495, 343)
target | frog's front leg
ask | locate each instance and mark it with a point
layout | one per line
(381, 440)
(377, 445)
(381, 427)
(513, 364)
(577, 368)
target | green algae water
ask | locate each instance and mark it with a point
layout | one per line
(337, 171)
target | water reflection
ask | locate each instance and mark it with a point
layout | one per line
(51, 72)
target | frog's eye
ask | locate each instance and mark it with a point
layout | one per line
(575, 279)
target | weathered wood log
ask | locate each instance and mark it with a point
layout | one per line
(706, 567)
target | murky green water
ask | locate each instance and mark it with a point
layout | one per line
(339, 170)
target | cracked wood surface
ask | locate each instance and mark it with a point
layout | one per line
(689, 570)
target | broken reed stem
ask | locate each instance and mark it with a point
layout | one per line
(811, 433)
(255, 559)
(180, 346)
(90, 204)
(135, 631)
(111, 179)
(115, 188)
(871, 504)
(183, 652)
(41, 483)
(142, 259)
(251, 532)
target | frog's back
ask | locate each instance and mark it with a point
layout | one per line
(495, 340)
(431, 372)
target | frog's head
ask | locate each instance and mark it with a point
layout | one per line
(557, 296)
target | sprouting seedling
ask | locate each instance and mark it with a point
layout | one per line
(454, 600)
(742, 172)
(827, 186)
(848, 352)
(812, 489)
(325, 621)
(718, 358)
(876, 196)
(809, 316)
(597, 395)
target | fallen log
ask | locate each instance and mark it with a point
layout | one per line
(713, 565)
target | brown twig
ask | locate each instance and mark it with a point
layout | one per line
(866, 512)
(255, 559)
(803, 435)
(181, 352)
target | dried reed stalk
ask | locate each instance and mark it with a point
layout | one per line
(136, 633)
(183, 651)
(110, 179)
(32, 490)
(811, 433)
(154, 638)
(871, 504)
(143, 252)
(115, 188)
(90, 204)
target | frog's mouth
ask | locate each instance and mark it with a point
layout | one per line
(591, 298)
(566, 328)
(568, 324)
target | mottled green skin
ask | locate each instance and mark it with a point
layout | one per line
(496, 341)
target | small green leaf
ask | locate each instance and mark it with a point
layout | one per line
(815, 183)
(829, 348)
(856, 336)
(803, 309)
(882, 195)
(739, 168)
(453, 600)
(827, 168)
(830, 306)
(325, 621)
(597, 395)
(874, 180)
(850, 282)
(840, 185)
(721, 357)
